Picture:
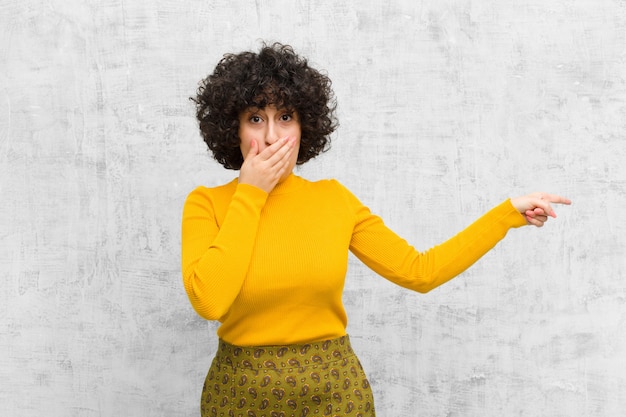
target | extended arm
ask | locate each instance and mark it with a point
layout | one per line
(392, 257)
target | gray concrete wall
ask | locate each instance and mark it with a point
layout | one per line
(446, 108)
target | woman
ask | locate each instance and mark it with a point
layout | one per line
(267, 253)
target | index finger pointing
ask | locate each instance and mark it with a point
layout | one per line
(553, 198)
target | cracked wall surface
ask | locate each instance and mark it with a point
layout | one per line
(446, 108)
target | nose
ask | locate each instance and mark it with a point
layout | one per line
(272, 133)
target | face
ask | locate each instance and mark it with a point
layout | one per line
(266, 126)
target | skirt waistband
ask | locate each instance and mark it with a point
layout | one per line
(284, 356)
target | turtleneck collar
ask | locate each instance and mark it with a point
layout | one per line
(288, 185)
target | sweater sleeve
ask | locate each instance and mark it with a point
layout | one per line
(392, 257)
(215, 257)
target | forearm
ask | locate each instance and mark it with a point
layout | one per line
(449, 259)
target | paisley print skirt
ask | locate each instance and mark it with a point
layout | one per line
(315, 379)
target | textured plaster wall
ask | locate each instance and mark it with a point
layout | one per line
(446, 108)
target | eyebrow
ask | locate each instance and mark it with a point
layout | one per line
(249, 110)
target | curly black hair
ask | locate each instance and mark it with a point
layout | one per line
(277, 76)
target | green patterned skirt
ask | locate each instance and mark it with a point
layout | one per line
(314, 379)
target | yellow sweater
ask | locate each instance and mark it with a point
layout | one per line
(271, 267)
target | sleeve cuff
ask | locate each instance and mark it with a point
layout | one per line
(514, 217)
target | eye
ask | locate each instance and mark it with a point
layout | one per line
(255, 119)
(285, 117)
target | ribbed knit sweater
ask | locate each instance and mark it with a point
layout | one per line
(271, 267)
